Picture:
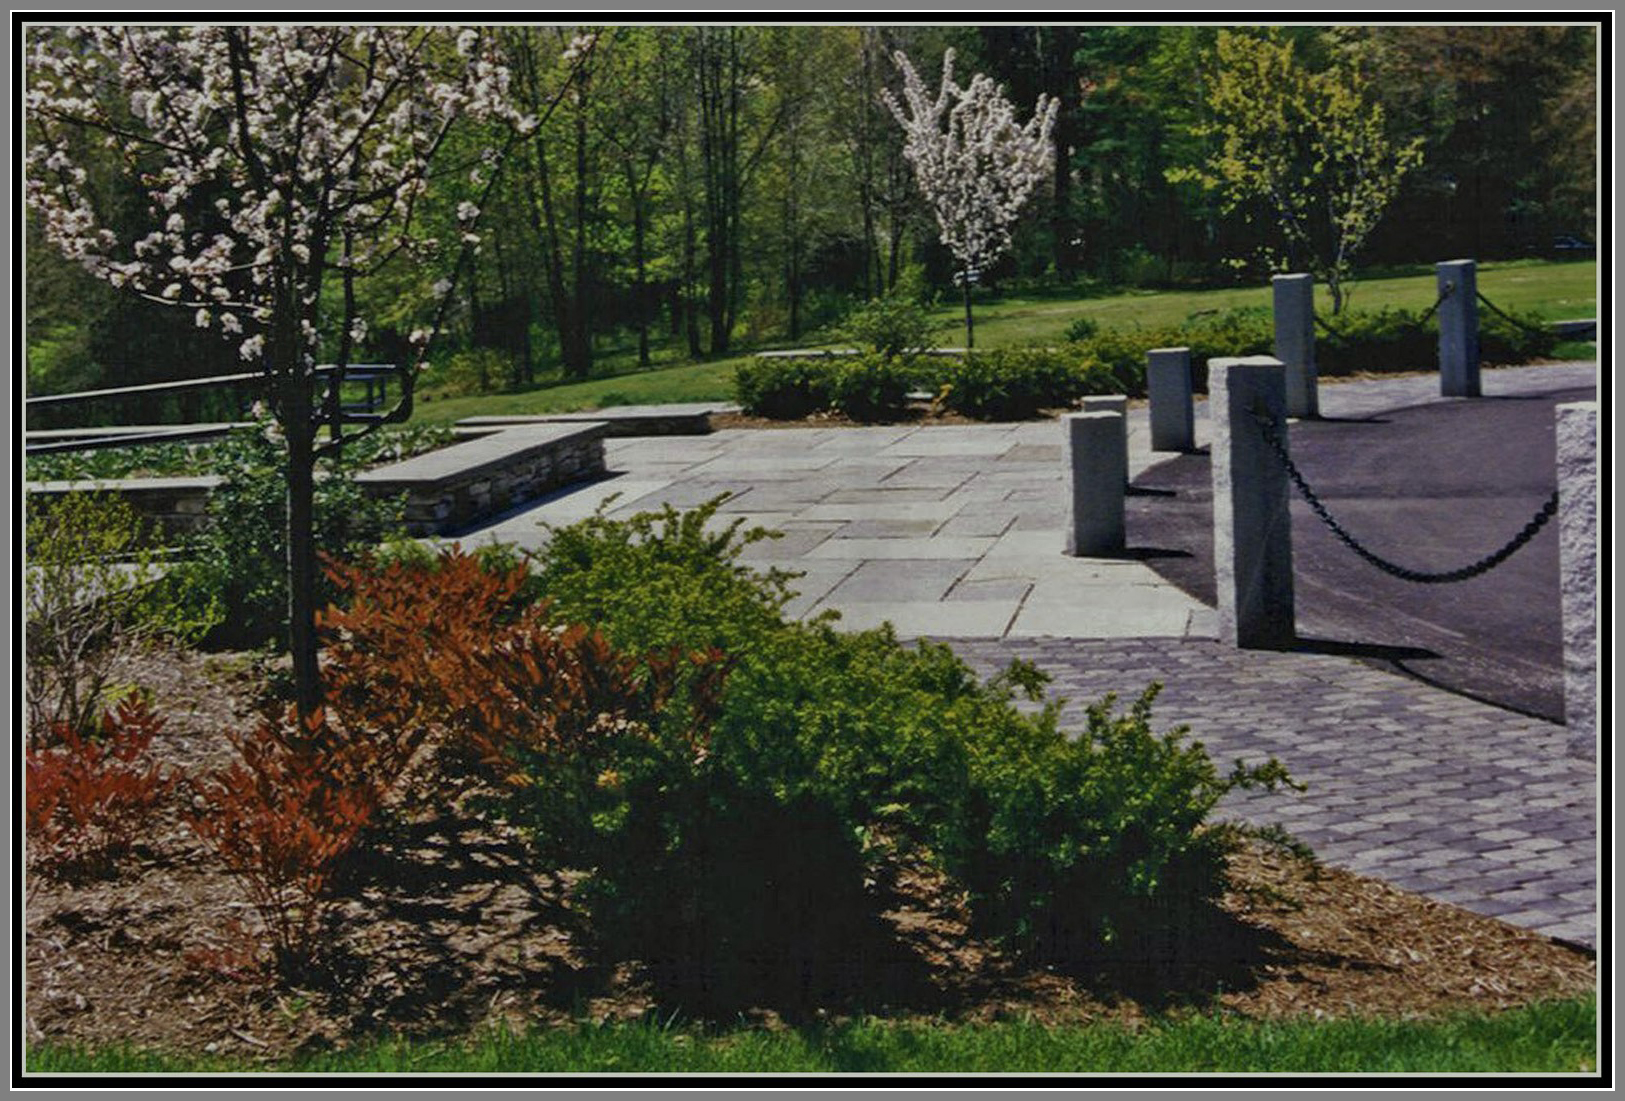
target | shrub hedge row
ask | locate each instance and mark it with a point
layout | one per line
(1016, 383)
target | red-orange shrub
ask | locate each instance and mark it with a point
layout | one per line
(89, 799)
(453, 647)
(282, 818)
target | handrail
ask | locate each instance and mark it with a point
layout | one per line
(357, 371)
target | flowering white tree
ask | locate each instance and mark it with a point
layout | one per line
(274, 161)
(973, 164)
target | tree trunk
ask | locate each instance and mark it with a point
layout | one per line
(580, 332)
(297, 424)
(970, 328)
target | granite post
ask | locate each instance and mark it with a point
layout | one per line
(1295, 342)
(1096, 450)
(1577, 533)
(1168, 385)
(1458, 329)
(1252, 518)
(1111, 403)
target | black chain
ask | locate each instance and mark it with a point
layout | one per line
(1483, 565)
(1449, 289)
(1504, 316)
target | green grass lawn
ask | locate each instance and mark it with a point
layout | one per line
(1555, 1037)
(1554, 290)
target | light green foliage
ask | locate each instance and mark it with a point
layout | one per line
(477, 371)
(895, 325)
(96, 591)
(160, 460)
(240, 558)
(1312, 147)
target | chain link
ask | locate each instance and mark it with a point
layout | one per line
(1449, 289)
(1266, 425)
(1504, 316)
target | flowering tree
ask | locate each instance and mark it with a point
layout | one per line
(276, 163)
(973, 164)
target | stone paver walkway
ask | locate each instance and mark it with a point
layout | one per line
(952, 530)
(956, 533)
(1435, 793)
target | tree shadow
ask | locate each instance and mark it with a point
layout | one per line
(1188, 961)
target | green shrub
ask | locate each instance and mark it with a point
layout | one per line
(663, 579)
(240, 558)
(869, 388)
(95, 591)
(891, 326)
(783, 389)
(1523, 338)
(220, 457)
(477, 371)
(1097, 845)
(1082, 329)
(1015, 383)
(1390, 339)
(1121, 353)
(828, 752)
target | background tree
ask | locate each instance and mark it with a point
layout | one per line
(974, 165)
(272, 159)
(1312, 148)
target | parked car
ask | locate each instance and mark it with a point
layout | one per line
(1568, 245)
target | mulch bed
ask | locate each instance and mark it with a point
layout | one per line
(446, 928)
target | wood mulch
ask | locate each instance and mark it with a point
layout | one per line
(448, 928)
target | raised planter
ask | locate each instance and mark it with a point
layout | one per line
(177, 506)
(446, 490)
(451, 488)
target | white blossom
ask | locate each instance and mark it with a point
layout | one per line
(295, 134)
(974, 165)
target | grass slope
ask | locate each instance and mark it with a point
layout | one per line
(1555, 290)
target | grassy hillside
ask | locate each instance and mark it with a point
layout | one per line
(1554, 290)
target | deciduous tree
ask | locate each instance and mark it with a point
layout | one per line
(276, 161)
(1312, 147)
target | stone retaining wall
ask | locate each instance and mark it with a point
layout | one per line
(446, 490)
(451, 488)
(177, 506)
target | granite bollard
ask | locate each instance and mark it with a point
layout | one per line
(1252, 518)
(1577, 534)
(1168, 385)
(1458, 329)
(1294, 297)
(1111, 403)
(1095, 447)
